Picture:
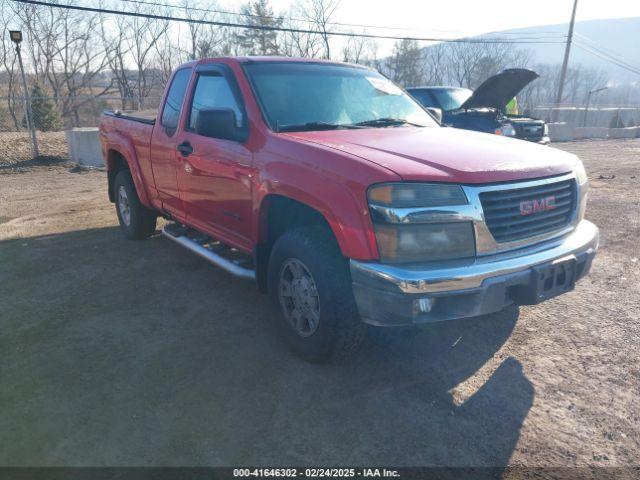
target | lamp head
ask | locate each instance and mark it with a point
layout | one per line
(16, 36)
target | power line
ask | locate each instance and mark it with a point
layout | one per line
(544, 35)
(606, 51)
(539, 35)
(604, 56)
(277, 29)
(608, 58)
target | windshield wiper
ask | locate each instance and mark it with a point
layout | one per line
(311, 126)
(386, 122)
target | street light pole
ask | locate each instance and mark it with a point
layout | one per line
(565, 62)
(16, 37)
(586, 110)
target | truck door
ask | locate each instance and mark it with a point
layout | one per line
(164, 161)
(216, 174)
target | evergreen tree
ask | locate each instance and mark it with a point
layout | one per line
(407, 63)
(45, 114)
(257, 41)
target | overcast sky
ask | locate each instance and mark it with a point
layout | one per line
(455, 18)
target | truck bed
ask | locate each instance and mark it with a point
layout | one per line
(141, 116)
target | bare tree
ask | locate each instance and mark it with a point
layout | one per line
(435, 58)
(64, 55)
(300, 44)
(204, 40)
(168, 55)
(406, 64)
(360, 50)
(9, 76)
(521, 58)
(319, 13)
(462, 61)
(144, 34)
(113, 35)
(492, 58)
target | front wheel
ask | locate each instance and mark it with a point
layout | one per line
(136, 220)
(310, 285)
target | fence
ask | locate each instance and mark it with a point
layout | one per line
(580, 116)
(51, 118)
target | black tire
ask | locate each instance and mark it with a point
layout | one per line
(141, 220)
(339, 331)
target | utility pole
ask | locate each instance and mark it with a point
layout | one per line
(565, 62)
(16, 37)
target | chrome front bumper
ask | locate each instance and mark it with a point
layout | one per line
(391, 294)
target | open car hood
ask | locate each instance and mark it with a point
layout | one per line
(497, 91)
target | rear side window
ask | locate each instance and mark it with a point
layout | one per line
(171, 110)
(213, 91)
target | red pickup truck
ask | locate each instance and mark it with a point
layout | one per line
(345, 199)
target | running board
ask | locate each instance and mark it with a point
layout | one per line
(210, 256)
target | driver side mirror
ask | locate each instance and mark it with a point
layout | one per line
(219, 123)
(436, 112)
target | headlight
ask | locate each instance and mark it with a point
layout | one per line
(581, 173)
(424, 241)
(402, 195)
(404, 241)
(507, 130)
(583, 188)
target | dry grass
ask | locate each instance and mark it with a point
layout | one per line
(15, 147)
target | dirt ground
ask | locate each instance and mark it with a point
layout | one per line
(139, 353)
(15, 147)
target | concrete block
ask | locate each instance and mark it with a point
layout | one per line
(84, 146)
(629, 132)
(560, 132)
(590, 132)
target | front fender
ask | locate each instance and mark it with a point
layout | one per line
(347, 216)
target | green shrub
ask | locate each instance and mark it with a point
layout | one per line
(45, 112)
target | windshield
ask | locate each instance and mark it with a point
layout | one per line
(314, 96)
(451, 98)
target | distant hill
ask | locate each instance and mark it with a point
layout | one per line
(619, 37)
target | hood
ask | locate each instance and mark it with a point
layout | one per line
(497, 91)
(445, 154)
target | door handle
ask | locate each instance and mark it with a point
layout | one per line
(185, 149)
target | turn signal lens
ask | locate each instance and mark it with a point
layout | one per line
(382, 195)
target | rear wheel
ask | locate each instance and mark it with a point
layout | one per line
(310, 285)
(136, 220)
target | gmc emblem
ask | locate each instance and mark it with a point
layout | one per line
(527, 207)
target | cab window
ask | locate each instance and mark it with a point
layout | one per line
(213, 91)
(173, 102)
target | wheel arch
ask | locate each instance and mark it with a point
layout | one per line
(278, 214)
(116, 162)
(120, 154)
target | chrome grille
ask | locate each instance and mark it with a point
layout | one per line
(503, 210)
